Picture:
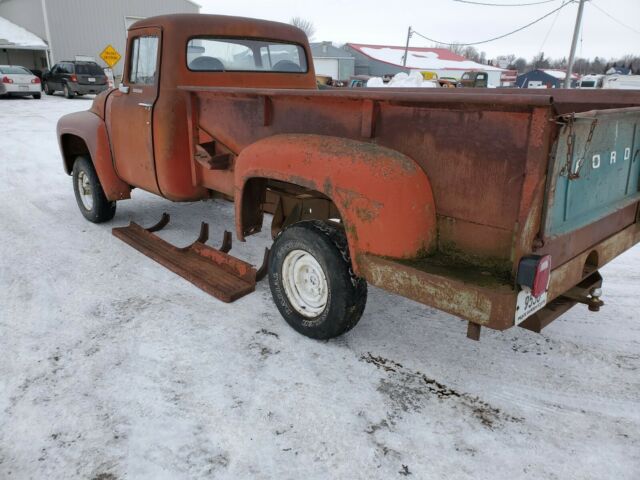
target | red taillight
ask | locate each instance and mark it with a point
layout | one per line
(73, 78)
(534, 272)
(6, 80)
(35, 80)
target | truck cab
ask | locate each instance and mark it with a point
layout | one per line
(474, 79)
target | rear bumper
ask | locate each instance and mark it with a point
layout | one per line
(87, 89)
(20, 89)
(492, 305)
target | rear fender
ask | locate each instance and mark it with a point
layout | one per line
(384, 198)
(85, 133)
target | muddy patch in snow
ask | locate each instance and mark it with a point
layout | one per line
(409, 391)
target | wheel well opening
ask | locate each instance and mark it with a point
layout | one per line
(72, 147)
(287, 202)
(591, 263)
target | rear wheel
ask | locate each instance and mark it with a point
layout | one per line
(37, 96)
(312, 282)
(90, 196)
(47, 89)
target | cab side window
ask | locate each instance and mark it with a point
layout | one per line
(144, 56)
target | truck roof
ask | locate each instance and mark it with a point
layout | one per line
(224, 25)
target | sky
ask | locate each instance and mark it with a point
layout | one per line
(386, 23)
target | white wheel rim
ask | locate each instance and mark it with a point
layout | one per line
(84, 190)
(305, 283)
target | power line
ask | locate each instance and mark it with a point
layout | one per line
(546, 37)
(505, 4)
(615, 19)
(500, 36)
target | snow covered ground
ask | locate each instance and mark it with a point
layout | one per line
(112, 367)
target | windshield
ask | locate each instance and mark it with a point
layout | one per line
(239, 54)
(15, 71)
(88, 69)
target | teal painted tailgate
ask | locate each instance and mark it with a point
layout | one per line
(593, 177)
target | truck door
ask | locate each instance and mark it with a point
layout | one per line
(130, 111)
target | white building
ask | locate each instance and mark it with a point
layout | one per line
(19, 46)
(74, 27)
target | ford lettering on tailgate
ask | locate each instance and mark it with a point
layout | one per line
(596, 169)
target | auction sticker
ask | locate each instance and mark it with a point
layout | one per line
(527, 304)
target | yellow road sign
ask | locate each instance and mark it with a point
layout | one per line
(110, 56)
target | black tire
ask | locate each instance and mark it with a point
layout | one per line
(346, 293)
(67, 91)
(37, 96)
(101, 210)
(47, 89)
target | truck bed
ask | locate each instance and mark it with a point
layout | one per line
(485, 152)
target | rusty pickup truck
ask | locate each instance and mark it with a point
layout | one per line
(498, 207)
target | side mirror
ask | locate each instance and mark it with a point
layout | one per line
(123, 88)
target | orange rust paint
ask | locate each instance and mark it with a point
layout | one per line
(384, 199)
(91, 129)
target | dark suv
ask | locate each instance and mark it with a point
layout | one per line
(75, 78)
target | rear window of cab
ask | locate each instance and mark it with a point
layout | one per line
(209, 54)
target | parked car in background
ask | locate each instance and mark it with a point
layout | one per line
(75, 78)
(445, 82)
(18, 81)
(474, 80)
(448, 82)
(358, 81)
(590, 81)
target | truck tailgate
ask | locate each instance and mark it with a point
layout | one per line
(595, 170)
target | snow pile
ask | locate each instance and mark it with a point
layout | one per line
(423, 60)
(559, 74)
(402, 80)
(13, 36)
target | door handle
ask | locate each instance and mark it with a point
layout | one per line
(146, 106)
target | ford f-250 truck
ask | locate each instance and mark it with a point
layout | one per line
(498, 207)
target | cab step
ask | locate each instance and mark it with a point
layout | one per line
(225, 277)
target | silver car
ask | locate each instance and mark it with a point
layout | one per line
(18, 81)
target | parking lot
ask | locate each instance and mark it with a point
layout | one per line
(113, 367)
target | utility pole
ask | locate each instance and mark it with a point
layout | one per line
(574, 43)
(406, 49)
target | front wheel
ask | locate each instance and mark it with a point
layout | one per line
(312, 282)
(90, 196)
(47, 89)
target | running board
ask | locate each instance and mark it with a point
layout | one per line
(225, 277)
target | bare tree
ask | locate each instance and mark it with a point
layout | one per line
(507, 59)
(519, 64)
(539, 61)
(453, 47)
(471, 53)
(305, 25)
